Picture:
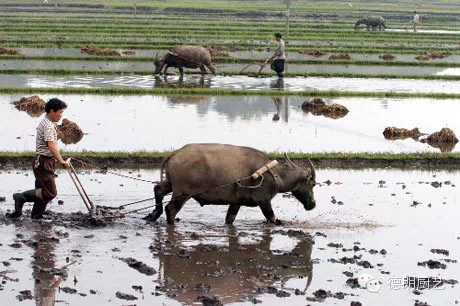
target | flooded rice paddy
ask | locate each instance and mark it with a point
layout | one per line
(235, 83)
(453, 58)
(355, 230)
(168, 122)
(291, 68)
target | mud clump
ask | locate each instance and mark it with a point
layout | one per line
(394, 133)
(34, 106)
(313, 52)
(432, 264)
(129, 52)
(387, 57)
(69, 132)
(98, 51)
(340, 56)
(207, 301)
(217, 51)
(125, 296)
(318, 107)
(445, 140)
(431, 56)
(139, 266)
(6, 51)
(24, 295)
(68, 290)
(440, 251)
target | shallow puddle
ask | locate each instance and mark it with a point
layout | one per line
(235, 82)
(359, 219)
(165, 123)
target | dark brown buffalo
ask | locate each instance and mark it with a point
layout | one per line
(185, 56)
(208, 172)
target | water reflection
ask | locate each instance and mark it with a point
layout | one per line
(228, 265)
(178, 82)
(47, 277)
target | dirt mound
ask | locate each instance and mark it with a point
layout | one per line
(313, 52)
(387, 57)
(34, 106)
(217, 51)
(6, 51)
(129, 52)
(98, 51)
(394, 133)
(69, 132)
(430, 56)
(340, 56)
(318, 107)
(445, 140)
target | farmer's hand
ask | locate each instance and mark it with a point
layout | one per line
(66, 163)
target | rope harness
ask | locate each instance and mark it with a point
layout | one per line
(88, 203)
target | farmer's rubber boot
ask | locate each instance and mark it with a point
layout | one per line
(20, 199)
(39, 209)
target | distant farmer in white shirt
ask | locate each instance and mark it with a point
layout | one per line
(278, 64)
(416, 21)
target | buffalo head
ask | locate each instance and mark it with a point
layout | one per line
(362, 20)
(159, 63)
(305, 179)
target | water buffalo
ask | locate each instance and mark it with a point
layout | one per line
(185, 56)
(372, 22)
(208, 173)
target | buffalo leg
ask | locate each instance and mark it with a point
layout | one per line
(213, 69)
(174, 206)
(231, 213)
(203, 70)
(160, 190)
(181, 71)
(165, 71)
(269, 214)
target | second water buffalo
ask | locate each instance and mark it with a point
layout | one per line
(373, 22)
(184, 57)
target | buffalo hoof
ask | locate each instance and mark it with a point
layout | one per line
(152, 217)
(278, 222)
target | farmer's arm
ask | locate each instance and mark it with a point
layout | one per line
(52, 145)
(277, 53)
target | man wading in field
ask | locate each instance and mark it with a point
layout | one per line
(44, 163)
(416, 21)
(278, 64)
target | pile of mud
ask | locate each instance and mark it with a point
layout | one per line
(313, 52)
(69, 132)
(34, 106)
(217, 51)
(318, 107)
(6, 51)
(394, 133)
(98, 51)
(445, 140)
(430, 56)
(387, 57)
(340, 56)
(102, 216)
(129, 52)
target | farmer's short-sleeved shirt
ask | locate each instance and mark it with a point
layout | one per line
(416, 18)
(281, 50)
(46, 131)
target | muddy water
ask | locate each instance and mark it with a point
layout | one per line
(146, 122)
(392, 219)
(293, 68)
(235, 82)
(455, 58)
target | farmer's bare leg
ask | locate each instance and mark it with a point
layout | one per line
(174, 206)
(231, 213)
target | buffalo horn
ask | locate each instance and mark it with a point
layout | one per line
(313, 171)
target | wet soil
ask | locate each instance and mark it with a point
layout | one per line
(387, 57)
(445, 140)
(394, 133)
(8, 51)
(34, 106)
(340, 56)
(318, 107)
(316, 257)
(98, 51)
(431, 56)
(69, 132)
(313, 52)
